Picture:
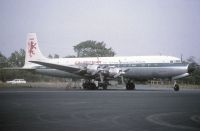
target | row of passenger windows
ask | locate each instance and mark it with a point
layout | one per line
(141, 65)
(132, 65)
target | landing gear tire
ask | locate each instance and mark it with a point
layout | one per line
(89, 86)
(176, 87)
(84, 86)
(92, 86)
(130, 86)
(103, 85)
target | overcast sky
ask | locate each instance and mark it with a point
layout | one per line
(130, 27)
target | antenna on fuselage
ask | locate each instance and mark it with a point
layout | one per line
(181, 58)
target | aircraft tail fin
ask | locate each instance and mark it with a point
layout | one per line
(32, 51)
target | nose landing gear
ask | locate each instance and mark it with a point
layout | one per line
(176, 86)
(130, 85)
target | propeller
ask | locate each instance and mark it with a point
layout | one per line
(120, 72)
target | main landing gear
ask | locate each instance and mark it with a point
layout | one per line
(103, 85)
(91, 85)
(130, 85)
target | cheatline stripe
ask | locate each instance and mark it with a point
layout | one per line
(137, 65)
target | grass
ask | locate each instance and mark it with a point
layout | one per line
(5, 85)
(67, 85)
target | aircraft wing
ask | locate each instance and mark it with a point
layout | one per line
(90, 70)
(69, 69)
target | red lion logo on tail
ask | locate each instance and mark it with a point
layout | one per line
(31, 48)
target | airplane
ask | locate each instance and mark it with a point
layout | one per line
(103, 69)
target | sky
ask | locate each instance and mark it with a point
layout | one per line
(130, 27)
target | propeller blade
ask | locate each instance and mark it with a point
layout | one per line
(119, 74)
(122, 79)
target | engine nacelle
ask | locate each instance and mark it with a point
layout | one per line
(115, 72)
(93, 69)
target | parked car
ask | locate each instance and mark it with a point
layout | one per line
(16, 81)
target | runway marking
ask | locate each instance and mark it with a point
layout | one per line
(157, 119)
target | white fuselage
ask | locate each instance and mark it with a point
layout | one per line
(140, 67)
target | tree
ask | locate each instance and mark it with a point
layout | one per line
(70, 56)
(93, 49)
(3, 61)
(191, 59)
(50, 56)
(194, 70)
(17, 58)
(56, 56)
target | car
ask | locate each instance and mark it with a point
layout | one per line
(16, 81)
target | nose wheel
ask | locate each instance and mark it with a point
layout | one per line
(130, 85)
(176, 86)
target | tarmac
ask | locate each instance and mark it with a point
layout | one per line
(56, 109)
